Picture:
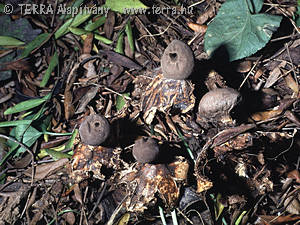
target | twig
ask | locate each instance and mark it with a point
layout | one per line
(117, 93)
(255, 64)
(196, 3)
(98, 200)
(161, 33)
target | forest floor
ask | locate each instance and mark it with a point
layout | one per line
(226, 157)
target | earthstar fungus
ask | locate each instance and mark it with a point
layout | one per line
(177, 62)
(217, 104)
(145, 150)
(170, 91)
(94, 130)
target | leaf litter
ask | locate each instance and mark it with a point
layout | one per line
(206, 171)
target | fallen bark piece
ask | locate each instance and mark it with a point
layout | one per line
(165, 95)
(145, 181)
(88, 161)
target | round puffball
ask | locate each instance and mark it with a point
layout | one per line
(177, 62)
(94, 130)
(145, 150)
(218, 102)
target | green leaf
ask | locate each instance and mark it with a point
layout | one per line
(29, 104)
(241, 32)
(77, 31)
(22, 126)
(255, 6)
(119, 47)
(30, 135)
(15, 123)
(76, 5)
(25, 134)
(63, 29)
(72, 22)
(13, 146)
(53, 63)
(56, 155)
(298, 15)
(2, 176)
(70, 143)
(120, 101)
(93, 26)
(6, 40)
(219, 206)
(41, 111)
(103, 39)
(124, 6)
(128, 31)
(18, 28)
(34, 44)
(162, 216)
(239, 219)
(44, 123)
(79, 19)
(298, 22)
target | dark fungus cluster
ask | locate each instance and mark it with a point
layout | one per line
(177, 63)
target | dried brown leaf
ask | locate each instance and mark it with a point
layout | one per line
(230, 133)
(69, 217)
(88, 44)
(109, 24)
(21, 64)
(283, 56)
(12, 209)
(273, 77)
(45, 169)
(262, 116)
(168, 191)
(89, 65)
(166, 94)
(244, 66)
(203, 184)
(91, 93)
(120, 60)
(274, 220)
(292, 84)
(209, 13)
(197, 27)
(294, 174)
(68, 104)
(87, 159)
(292, 204)
(258, 74)
(179, 169)
(77, 193)
(147, 180)
(239, 142)
(291, 116)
